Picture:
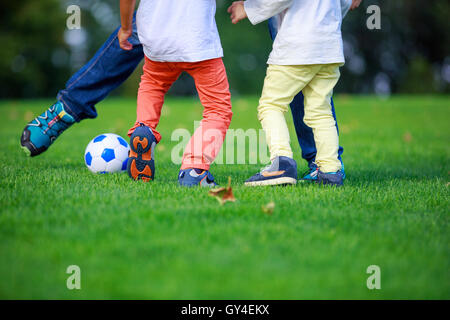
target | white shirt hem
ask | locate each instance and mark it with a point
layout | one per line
(185, 57)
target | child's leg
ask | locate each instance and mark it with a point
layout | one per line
(212, 85)
(156, 80)
(109, 67)
(281, 85)
(319, 116)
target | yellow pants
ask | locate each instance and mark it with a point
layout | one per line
(281, 85)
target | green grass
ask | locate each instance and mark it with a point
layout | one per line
(158, 241)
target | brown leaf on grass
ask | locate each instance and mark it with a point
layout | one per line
(268, 208)
(407, 137)
(223, 194)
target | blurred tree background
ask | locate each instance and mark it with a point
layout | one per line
(409, 54)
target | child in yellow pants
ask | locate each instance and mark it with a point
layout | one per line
(306, 56)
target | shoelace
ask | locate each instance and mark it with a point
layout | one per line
(48, 122)
(310, 170)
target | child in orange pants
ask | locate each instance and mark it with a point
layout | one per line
(188, 42)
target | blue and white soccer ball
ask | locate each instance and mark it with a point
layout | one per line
(107, 152)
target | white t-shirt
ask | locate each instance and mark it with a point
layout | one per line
(309, 31)
(178, 30)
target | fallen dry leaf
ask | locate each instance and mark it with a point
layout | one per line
(268, 208)
(407, 137)
(223, 194)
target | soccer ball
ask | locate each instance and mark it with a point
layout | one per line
(107, 152)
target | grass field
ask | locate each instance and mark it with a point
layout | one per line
(160, 241)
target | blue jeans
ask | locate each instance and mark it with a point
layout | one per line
(111, 66)
(108, 69)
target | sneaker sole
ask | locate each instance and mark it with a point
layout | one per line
(140, 164)
(272, 182)
(26, 150)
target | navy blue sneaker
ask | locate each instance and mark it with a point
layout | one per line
(43, 130)
(281, 171)
(331, 178)
(311, 175)
(141, 163)
(196, 177)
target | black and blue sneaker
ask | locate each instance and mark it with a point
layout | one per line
(311, 175)
(196, 177)
(281, 171)
(43, 130)
(331, 178)
(141, 162)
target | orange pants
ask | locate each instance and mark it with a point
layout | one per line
(212, 86)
